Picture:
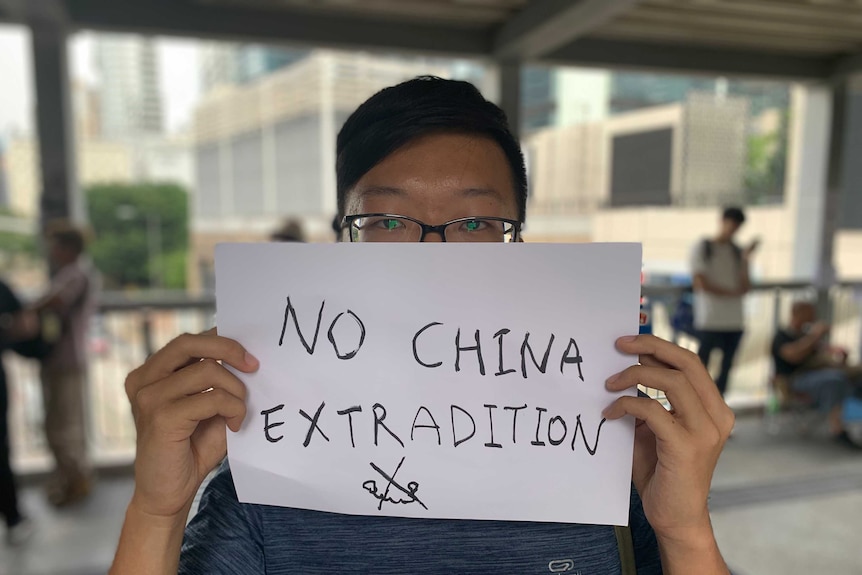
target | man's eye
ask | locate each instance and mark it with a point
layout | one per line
(474, 226)
(389, 224)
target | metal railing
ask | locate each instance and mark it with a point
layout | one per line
(767, 307)
(128, 329)
(124, 333)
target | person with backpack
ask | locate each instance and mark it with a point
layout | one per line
(720, 279)
(66, 310)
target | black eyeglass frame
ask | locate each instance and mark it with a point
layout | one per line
(347, 223)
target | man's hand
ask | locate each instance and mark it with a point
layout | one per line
(819, 329)
(181, 398)
(675, 451)
(19, 326)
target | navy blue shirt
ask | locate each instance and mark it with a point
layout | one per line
(238, 538)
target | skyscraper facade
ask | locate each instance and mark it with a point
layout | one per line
(228, 64)
(129, 98)
(562, 96)
(633, 91)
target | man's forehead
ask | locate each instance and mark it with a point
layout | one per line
(438, 168)
(373, 191)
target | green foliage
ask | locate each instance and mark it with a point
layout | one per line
(12, 244)
(766, 163)
(173, 268)
(141, 230)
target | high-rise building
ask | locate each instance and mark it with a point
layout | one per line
(553, 96)
(266, 150)
(226, 64)
(255, 61)
(99, 161)
(218, 65)
(562, 96)
(86, 110)
(633, 91)
(538, 98)
(130, 102)
(690, 153)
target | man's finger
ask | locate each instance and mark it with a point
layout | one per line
(651, 361)
(218, 402)
(185, 350)
(198, 378)
(678, 358)
(684, 399)
(651, 412)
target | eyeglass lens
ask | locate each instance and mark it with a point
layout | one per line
(395, 229)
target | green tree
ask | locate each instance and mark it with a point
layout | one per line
(766, 162)
(15, 244)
(141, 233)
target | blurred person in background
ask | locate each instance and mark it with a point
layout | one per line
(71, 301)
(290, 231)
(814, 368)
(720, 279)
(15, 325)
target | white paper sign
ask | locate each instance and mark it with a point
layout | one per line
(433, 380)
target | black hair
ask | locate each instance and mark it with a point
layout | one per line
(336, 227)
(65, 234)
(735, 214)
(397, 115)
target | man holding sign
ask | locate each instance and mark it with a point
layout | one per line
(451, 407)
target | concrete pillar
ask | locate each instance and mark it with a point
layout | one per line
(816, 176)
(60, 197)
(269, 153)
(807, 175)
(328, 131)
(836, 159)
(509, 78)
(850, 211)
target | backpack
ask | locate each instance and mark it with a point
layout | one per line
(52, 326)
(682, 320)
(40, 346)
(706, 247)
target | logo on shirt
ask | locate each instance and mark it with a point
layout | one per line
(563, 566)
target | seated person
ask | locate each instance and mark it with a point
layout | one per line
(434, 151)
(810, 366)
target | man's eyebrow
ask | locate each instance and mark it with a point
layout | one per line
(392, 191)
(382, 191)
(480, 192)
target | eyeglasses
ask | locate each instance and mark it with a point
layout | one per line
(395, 228)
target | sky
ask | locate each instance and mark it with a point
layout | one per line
(179, 78)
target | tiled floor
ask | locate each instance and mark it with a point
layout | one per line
(788, 504)
(75, 541)
(782, 505)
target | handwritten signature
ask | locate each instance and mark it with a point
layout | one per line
(410, 491)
